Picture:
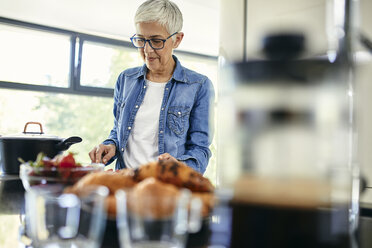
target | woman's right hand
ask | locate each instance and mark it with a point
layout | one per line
(102, 153)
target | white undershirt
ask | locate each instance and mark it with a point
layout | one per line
(142, 146)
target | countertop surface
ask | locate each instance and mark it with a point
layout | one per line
(12, 214)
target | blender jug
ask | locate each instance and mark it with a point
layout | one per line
(284, 148)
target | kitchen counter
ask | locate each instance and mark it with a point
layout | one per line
(12, 215)
(12, 218)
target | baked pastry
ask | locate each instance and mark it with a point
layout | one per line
(176, 173)
(162, 179)
(111, 205)
(153, 199)
(112, 180)
(208, 201)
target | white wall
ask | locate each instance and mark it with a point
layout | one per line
(272, 15)
(115, 18)
(231, 30)
(298, 15)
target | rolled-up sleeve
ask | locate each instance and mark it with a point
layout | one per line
(200, 133)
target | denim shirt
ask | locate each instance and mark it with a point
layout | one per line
(185, 131)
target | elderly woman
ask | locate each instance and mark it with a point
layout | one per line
(161, 109)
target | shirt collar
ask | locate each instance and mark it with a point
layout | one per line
(178, 73)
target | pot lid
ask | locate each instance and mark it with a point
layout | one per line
(31, 135)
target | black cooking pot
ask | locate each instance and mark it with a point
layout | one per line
(28, 144)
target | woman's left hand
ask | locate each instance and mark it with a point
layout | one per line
(166, 157)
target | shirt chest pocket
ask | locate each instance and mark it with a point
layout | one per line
(177, 119)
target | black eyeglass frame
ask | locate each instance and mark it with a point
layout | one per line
(150, 40)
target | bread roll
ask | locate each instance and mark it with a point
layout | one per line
(153, 199)
(208, 201)
(112, 180)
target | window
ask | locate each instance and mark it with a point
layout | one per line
(101, 64)
(34, 57)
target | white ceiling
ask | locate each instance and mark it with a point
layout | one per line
(115, 18)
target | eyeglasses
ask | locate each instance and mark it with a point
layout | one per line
(155, 44)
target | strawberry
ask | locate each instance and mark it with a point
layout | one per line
(68, 161)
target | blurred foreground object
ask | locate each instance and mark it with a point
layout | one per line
(286, 125)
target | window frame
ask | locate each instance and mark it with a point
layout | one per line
(77, 40)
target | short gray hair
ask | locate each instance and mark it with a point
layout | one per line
(165, 12)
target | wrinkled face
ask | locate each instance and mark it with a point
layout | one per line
(156, 60)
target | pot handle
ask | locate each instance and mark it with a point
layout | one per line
(33, 122)
(66, 143)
